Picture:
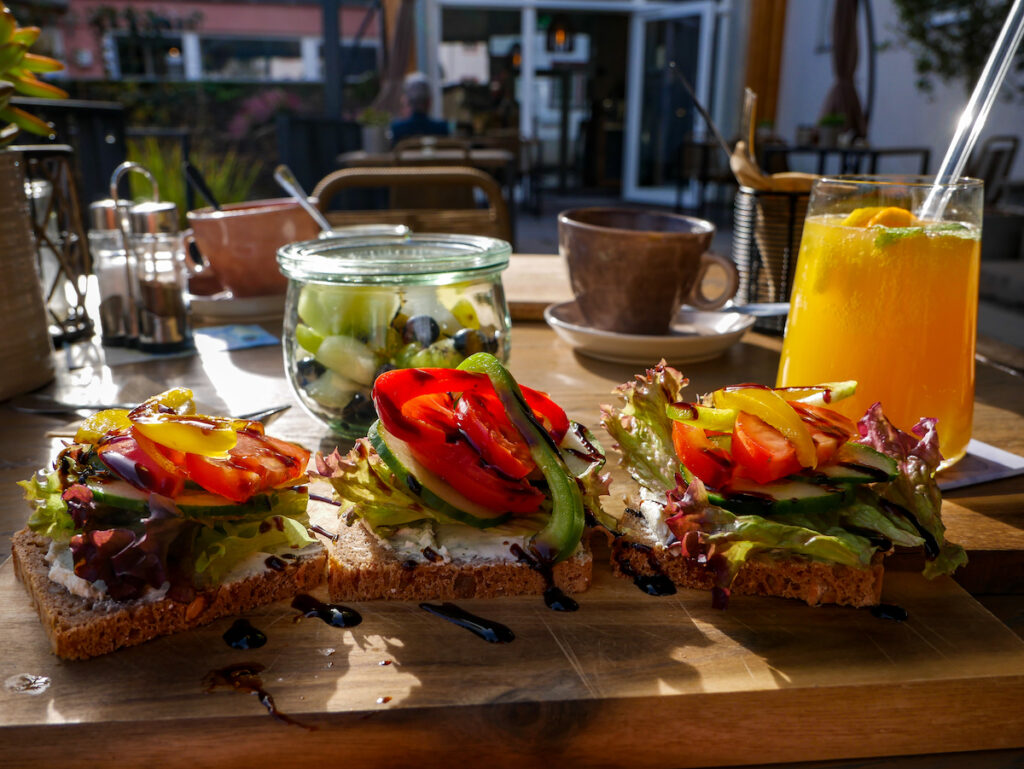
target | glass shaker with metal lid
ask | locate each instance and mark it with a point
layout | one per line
(157, 274)
(109, 263)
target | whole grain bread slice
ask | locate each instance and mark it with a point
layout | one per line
(360, 568)
(636, 552)
(79, 627)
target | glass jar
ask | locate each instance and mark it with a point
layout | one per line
(359, 306)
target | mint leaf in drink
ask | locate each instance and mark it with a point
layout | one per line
(890, 235)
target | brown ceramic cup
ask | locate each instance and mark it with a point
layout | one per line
(631, 270)
(241, 241)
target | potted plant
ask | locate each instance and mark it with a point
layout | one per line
(829, 128)
(25, 355)
(375, 123)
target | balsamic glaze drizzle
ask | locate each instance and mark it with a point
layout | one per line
(243, 635)
(331, 613)
(658, 583)
(244, 677)
(554, 597)
(889, 611)
(490, 631)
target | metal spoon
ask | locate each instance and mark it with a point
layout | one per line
(283, 175)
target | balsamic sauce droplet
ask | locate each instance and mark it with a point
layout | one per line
(331, 613)
(275, 563)
(555, 599)
(655, 584)
(490, 631)
(889, 611)
(243, 635)
(244, 677)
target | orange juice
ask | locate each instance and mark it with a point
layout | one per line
(894, 308)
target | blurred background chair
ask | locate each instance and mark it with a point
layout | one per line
(421, 150)
(421, 184)
(702, 161)
(992, 163)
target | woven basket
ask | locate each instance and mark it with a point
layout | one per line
(26, 353)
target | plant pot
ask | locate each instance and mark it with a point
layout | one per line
(375, 139)
(26, 352)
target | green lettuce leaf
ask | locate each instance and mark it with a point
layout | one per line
(642, 431)
(50, 515)
(220, 545)
(369, 490)
(914, 493)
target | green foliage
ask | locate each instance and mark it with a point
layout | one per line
(952, 39)
(18, 70)
(230, 175)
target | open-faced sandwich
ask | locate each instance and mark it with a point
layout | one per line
(468, 485)
(157, 520)
(768, 491)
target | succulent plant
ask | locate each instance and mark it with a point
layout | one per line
(18, 70)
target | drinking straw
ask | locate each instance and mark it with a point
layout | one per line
(976, 112)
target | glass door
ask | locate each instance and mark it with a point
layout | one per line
(661, 116)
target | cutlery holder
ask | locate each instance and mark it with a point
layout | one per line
(767, 227)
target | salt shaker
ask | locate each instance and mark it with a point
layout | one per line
(110, 266)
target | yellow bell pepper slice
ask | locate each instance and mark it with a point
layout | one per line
(772, 408)
(180, 428)
(101, 423)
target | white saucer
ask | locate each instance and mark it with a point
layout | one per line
(695, 336)
(227, 307)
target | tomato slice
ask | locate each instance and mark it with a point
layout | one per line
(760, 451)
(459, 465)
(829, 429)
(148, 470)
(257, 463)
(488, 429)
(701, 457)
(417, 406)
(276, 462)
(223, 477)
(548, 413)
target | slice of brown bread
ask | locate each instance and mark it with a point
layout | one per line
(360, 568)
(79, 628)
(637, 552)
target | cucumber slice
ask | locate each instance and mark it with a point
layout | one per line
(866, 461)
(435, 493)
(120, 494)
(747, 497)
(193, 504)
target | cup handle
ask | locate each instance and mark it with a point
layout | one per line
(697, 299)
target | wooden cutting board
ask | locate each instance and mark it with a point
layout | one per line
(628, 679)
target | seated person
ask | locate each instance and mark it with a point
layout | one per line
(417, 99)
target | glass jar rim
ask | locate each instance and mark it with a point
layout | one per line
(411, 258)
(899, 180)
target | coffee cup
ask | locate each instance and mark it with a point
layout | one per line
(631, 270)
(240, 242)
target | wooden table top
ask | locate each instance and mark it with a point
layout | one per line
(733, 687)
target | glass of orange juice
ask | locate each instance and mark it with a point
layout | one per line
(889, 300)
